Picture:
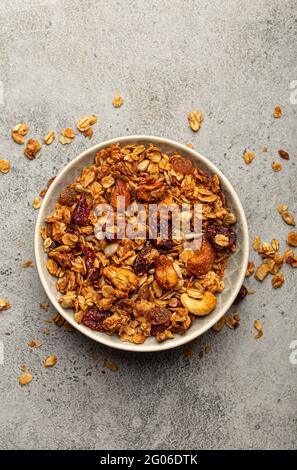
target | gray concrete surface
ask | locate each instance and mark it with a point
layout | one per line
(233, 59)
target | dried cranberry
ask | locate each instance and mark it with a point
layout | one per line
(241, 294)
(159, 316)
(81, 212)
(163, 244)
(145, 260)
(155, 329)
(90, 256)
(94, 319)
(214, 230)
(68, 197)
(72, 229)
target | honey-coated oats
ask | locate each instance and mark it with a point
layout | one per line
(139, 287)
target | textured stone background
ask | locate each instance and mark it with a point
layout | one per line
(233, 59)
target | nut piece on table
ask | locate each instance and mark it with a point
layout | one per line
(201, 262)
(199, 307)
(165, 273)
(122, 278)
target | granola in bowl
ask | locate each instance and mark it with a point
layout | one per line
(148, 285)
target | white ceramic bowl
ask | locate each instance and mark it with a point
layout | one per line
(234, 274)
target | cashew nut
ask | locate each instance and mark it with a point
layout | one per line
(199, 307)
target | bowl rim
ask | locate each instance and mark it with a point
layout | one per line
(177, 340)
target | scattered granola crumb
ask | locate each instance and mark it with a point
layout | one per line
(23, 367)
(49, 138)
(58, 320)
(84, 123)
(118, 101)
(35, 343)
(189, 353)
(200, 354)
(248, 156)
(50, 361)
(292, 238)
(292, 260)
(32, 148)
(190, 145)
(88, 133)
(287, 217)
(46, 331)
(67, 135)
(4, 166)
(250, 269)
(26, 378)
(262, 272)
(4, 305)
(109, 365)
(207, 349)
(277, 113)
(195, 119)
(18, 133)
(36, 203)
(251, 292)
(44, 306)
(283, 154)
(264, 149)
(276, 166)
(232, 322)
(278, 280)
(94, 356)
(219, 325)
(69, 327)
(259, 327)
(256, 243)
(28, 264)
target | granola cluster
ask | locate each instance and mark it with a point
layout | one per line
(140, 287)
